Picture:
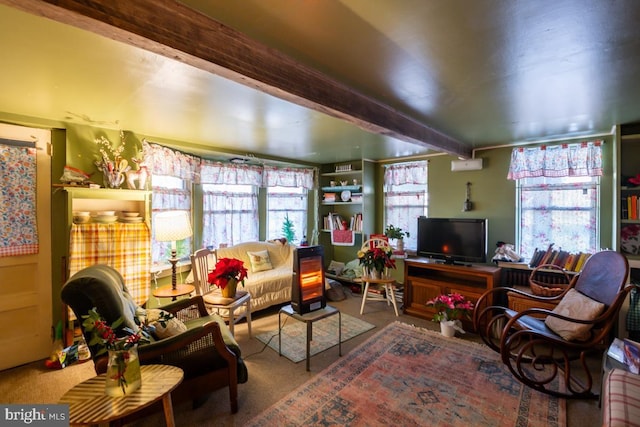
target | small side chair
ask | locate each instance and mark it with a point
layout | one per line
(231, 309)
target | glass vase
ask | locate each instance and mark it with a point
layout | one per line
(112, 178)
(123, 372)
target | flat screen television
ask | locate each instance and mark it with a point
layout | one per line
(453, 240)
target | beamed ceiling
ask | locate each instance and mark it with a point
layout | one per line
(324, 81)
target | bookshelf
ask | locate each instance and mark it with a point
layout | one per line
(629, 193)
(346, 204)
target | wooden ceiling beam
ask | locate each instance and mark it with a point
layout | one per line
(175, 31)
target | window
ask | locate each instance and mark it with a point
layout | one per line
(563, 211)
(405, 198)
(230, 214)
(286, 202)
(557, 196)
(169, 194)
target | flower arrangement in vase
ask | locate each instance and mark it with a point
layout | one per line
(376, 260)
(123, 366)
(111, 163)
(450, 309)
(226, 275)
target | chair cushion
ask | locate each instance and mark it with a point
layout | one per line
(162, 323)
(260, 261)
(577, 306)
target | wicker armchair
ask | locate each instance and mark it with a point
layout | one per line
(540, 345)
(207, 352)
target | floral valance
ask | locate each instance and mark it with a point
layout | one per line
(406, 173)
(229, 173)
(288, 177)
(583, 159)
(165, 161)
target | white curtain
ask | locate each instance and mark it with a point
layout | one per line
(405, 197)
(406, 173)
(229, 217)
(289, 177)
(229, 173)
(165, 161)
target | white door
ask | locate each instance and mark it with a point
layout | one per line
(25, 280)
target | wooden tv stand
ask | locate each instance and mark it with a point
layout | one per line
(425, 279)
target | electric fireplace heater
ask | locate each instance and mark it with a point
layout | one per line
(307, 293)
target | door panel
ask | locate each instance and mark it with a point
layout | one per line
(25, 281)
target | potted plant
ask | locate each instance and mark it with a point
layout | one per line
(398, 234)
(123, 366)
(226, 275)
(450, 309)
(375, 261)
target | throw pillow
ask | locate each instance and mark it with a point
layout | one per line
(577, 306)
(260, 261)
(162, 323)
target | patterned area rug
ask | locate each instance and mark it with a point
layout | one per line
(409, 376)
(325, 335)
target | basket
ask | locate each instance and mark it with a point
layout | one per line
(544, 289)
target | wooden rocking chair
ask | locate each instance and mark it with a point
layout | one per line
(540, 345)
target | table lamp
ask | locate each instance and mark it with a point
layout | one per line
(172, 226)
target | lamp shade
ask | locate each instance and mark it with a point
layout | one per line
(172, 226)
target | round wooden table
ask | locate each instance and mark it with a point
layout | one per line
(88, 404)
(169, 292)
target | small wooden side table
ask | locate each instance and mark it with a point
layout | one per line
(388, 286)
(89, 405)
(309, 318)
(216, 301)
(169, 292)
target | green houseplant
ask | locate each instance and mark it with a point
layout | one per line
(394, 232)
(398, 234)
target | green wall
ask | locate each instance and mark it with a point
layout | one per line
(493, 196)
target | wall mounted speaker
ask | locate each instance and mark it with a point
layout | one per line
(466, 165)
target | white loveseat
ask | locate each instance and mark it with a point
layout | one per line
(268, 287)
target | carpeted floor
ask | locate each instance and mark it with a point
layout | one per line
(271, 377)
(406, 375)
(325, 335)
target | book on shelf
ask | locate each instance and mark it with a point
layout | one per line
(335, 221)
(561, 258)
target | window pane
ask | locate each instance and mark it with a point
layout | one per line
(169, 193)
(404, 203)
(230, 214)
(283, 202)
(562, 211)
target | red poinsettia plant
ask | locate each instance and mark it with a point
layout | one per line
(450, 307)
(227, 269)
(377, 258)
